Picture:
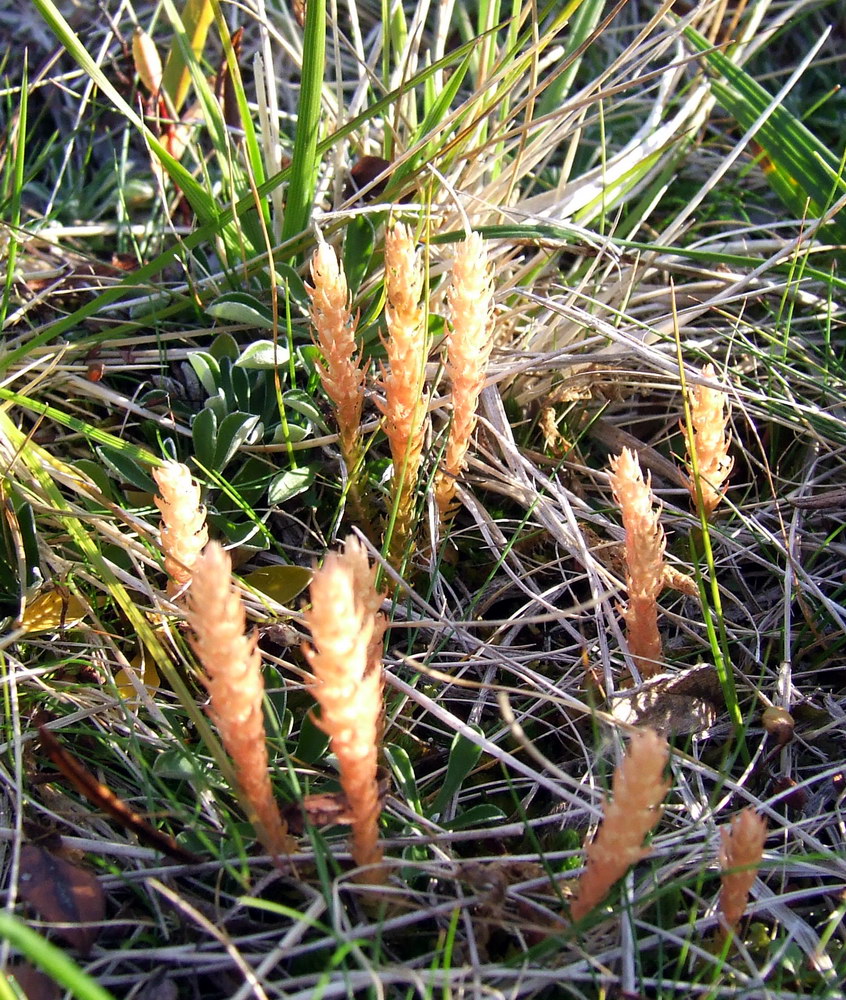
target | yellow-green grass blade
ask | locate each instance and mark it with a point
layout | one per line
(244, 239)
(16, 139)
(251, 143)
(92, 433)
(207, 231)
(200, 200)
(583, 17)
(52, 960)
(194, 23)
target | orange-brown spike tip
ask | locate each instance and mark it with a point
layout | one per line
(232, 665)
(644, 548)
(348, 688)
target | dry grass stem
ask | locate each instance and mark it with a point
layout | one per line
(468, 350)
(638, 789)
(184, 532)
(644, 546)
(405, 405)
(342, 372)
(709, 462)
(232, 665)
(348, 687)
(741, 849)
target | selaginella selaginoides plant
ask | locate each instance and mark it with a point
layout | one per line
(341, 370)
(741, 849)
(345, 659)
(644, 548)
(405, 406)
(468, 350)
(183, 532)
(708, 464)
(638, 788)
(231, 663)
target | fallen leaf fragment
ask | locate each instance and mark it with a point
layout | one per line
(145, 671)
(33, 983)
(52, 610)
(62, 894)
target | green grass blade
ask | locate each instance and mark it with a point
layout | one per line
(304, 159)
(805, 174)
(17, 183)
(585, 17)
(251, 143)
(51, 959)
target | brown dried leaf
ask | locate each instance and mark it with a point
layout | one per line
(679, 703)
(364, 172)
(33, 983)
(327, 808)
(62, 893)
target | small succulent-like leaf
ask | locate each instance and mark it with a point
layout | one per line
(207, 370)
(476, 816)
(289, 484)
(400, 763)
(176, 765)
(463, 757)
(126, 468)
(204, 437)
(241, 307)
(235, 430)
(312, 743)
(303, 404)
(223, 346)
(264, 354)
